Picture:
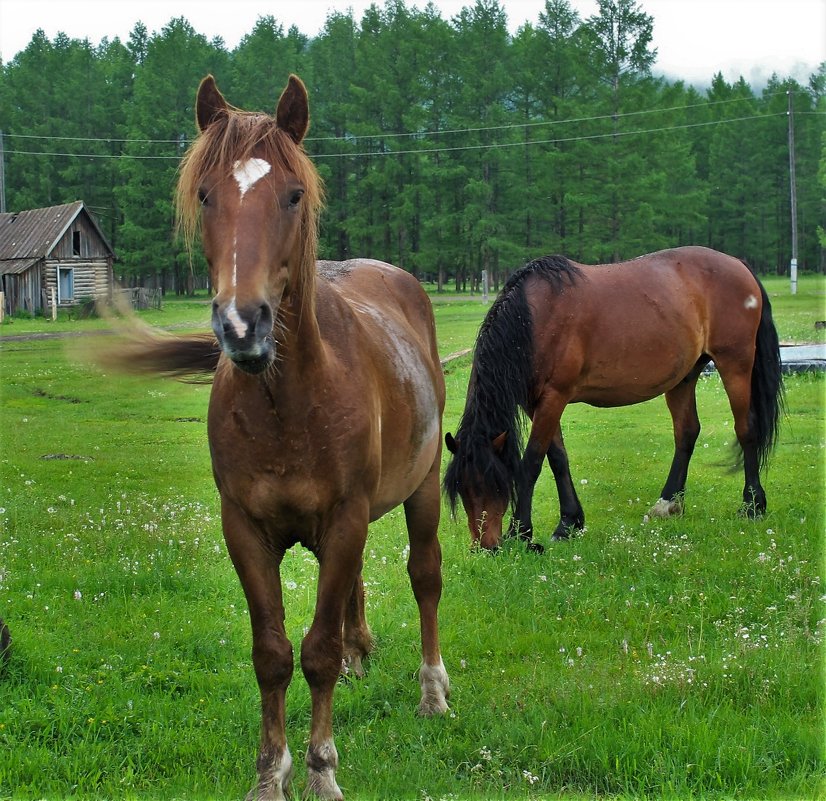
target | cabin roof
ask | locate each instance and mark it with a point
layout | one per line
(34, 234)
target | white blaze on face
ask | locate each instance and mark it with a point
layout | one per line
(248, 173)
(237, 321)
(751, 302)
(235, 262)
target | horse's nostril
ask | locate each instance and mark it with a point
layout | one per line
(263, 321)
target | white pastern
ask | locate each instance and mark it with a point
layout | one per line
(237, 321)
(666, 508)
(435, 686)
(751, 302)
(248, 173)
(274, 782)
(321, 778)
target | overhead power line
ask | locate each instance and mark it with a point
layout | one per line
(422, 133)
(428, 150)
(555, 140)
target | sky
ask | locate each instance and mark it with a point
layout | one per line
(695, 39)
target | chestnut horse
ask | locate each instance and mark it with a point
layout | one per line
(610, 335)
(325, 412)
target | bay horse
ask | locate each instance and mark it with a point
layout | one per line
(325, 412)
(610, 335)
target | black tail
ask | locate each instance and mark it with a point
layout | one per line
(767, 397)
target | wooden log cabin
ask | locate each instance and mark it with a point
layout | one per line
(53, 255)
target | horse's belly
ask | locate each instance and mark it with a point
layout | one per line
(614, 396)
(400, 481)
(634, 383)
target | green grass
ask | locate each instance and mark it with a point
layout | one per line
(645, 659)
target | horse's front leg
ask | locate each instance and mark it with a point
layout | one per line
(424, 566)
(571, 515)
(544, 431)
(272, 653)
(521, 524)
(322, 649)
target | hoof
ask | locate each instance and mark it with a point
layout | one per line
(322, 762)
(564, 530)
(274, 775)
(435, 686)
(535, 547)
(665, 508)
(322, 784)
(752, 511)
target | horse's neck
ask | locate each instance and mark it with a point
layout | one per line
(299, 338)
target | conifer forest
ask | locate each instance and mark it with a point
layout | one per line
(447, 146)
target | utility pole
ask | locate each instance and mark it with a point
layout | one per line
(2, 176)
(793, 190)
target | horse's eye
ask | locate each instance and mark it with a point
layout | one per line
(295, 197)
(202, 197)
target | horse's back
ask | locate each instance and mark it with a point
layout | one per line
(384, 294)
(691, 265)
(686, 287)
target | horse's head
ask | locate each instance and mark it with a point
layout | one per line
(478, 476)
(248, 182)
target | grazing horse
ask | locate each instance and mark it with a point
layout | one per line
(610, 335)
(325, 412)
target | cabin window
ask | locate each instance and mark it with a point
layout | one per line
(65, 284)
(75, 243)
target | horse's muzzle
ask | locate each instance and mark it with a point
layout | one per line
(245, 334)
(485, 530)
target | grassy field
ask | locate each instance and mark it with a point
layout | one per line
(643, 659)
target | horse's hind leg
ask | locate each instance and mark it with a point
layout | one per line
(737, 382)
(682, 403)
(272, 653)
(358, 642)
(424, 566)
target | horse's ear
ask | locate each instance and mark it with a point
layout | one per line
(450, 442)
(499, 442)
(293, 113)
(210, 103)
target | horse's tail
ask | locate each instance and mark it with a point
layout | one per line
(767, 396)
(193, 357)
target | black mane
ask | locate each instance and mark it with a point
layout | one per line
(500, 385)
